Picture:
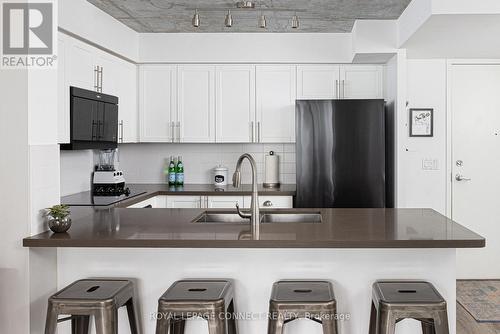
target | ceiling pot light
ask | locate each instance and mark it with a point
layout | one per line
(262, 21)
(228, 22)
(295, 22)
(196, 19)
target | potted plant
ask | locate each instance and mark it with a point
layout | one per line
(58, 218)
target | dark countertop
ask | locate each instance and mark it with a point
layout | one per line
(141, 192)
(340, 228)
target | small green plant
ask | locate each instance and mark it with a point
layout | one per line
(59, 211)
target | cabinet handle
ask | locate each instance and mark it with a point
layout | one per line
(95, 79)
(121, 131)
(267, 203)
(258, 132)
(178, 132)
(101, 72)
(251, 132)
(337, 89)
(343, 89)
(92, 130)
(172, 131)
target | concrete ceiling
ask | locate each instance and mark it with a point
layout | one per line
(323, 16)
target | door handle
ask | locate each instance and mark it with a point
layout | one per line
(460, 177)
(121, 131)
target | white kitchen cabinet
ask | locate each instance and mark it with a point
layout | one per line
(157, 103)
(185, 202)
(156, 202)
(235, 103)
(224, 202)
(76, 67)
(361, 82)
(318, 82)
(196, 103)
(270, 202)
(119, 78)
(275, 96)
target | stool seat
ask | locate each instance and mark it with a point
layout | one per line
(394, 301)
(302, 291)
(312, 299)
(407, 292)
(99, 298)
(212, 299)
(197, 290)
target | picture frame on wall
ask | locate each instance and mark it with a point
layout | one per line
(421, 122)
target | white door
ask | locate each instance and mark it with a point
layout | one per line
(196, 96)
(475, 119)
(235, 103)
(224, 202)
(275, 95)
(361, 82)
(157, 102)
(184, 202)
(317, 82)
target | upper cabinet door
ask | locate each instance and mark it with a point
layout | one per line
(80, 65)
(361, 82)
(276, 88)
(235, 114)
(318, 82)
(196, 96)
(157, 102)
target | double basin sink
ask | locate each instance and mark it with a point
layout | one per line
(222, 217)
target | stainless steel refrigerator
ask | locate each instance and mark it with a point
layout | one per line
(341, 158)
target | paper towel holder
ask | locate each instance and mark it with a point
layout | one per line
(270, 184)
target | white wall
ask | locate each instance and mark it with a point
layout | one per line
(87, 21)
(144, 163)
(76, 170)
(246, 48)
(426, 88)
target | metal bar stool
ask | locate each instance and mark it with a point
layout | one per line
(211, 299)
(100, 298)
(394, 301)
(292, 299)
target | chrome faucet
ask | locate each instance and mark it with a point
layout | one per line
(254, 214)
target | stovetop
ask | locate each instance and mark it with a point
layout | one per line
(88, 199)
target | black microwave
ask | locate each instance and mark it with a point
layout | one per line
(93, 120)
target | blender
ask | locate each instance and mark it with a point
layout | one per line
(106, 180)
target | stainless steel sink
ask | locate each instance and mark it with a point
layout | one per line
(303, 217)
(267, 217)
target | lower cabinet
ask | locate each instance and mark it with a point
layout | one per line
(271, 202)
(213, 202)
(184, 202)
(224, 202)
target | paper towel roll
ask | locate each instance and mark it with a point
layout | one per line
(272, 173)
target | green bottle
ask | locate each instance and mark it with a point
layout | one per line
(171, 172)
(179, 172)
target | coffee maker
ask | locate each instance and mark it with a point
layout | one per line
(106, 180)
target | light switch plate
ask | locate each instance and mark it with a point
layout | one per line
(430, 164)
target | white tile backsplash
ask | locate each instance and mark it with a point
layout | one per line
(144, 163)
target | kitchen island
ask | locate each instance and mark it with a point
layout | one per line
(351, 247)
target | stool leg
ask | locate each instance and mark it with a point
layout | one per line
(216, 325)
(373, 320)
(51, 319)
(178, 326)
(163, 324)
(386, 323)
(329, 326)
(441, 323)
(80, 324)
(133, 318)
(106, 321)
(231, 323)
